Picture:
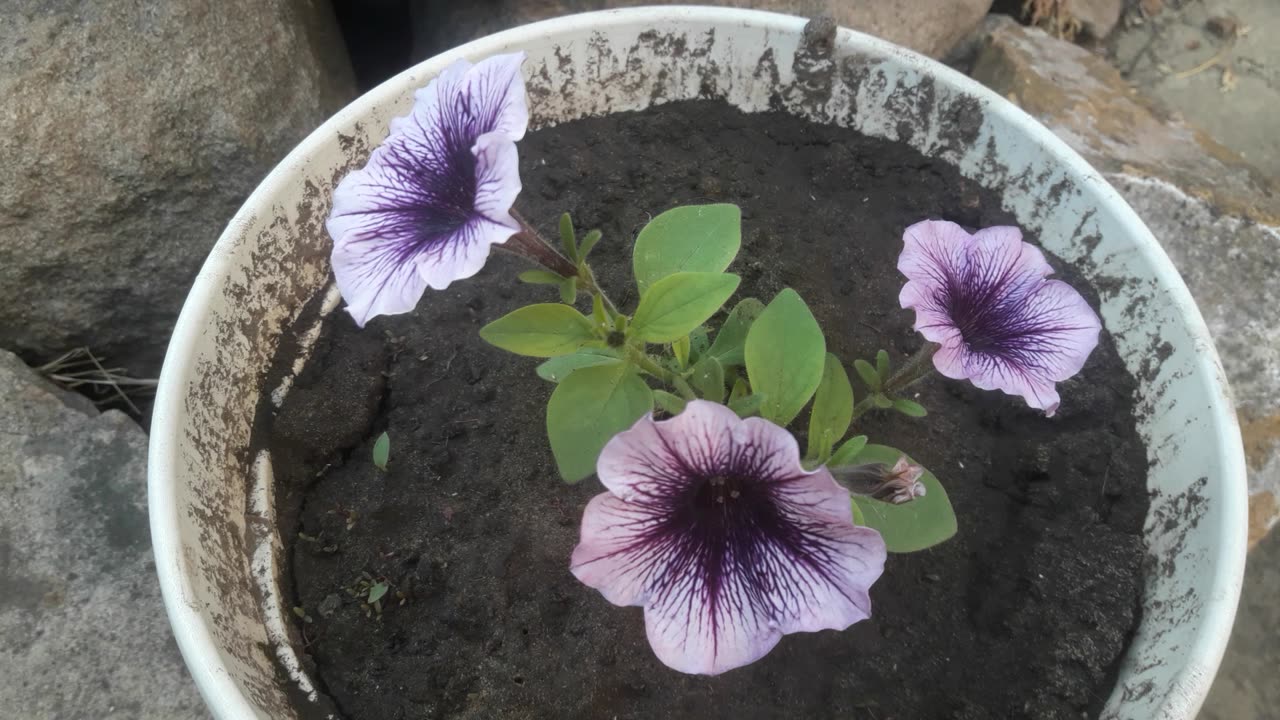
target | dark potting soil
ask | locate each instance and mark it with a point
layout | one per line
(1024, 614)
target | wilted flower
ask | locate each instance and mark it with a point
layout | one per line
(898, 484)
(986, 300)
(712, 525)
(436, 194)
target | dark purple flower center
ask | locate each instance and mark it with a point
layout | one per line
(432, 196)
(730, 530)
(995, 309)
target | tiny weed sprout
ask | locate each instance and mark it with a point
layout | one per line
(683, 404)
(382, 451)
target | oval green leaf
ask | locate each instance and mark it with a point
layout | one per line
(747, 405)
(732, 338)
(917, 525)
(672, 404)
(558, 368)
(832, 409)
(785, 353)
(910, 408)
(882, 366)
(543, 330)
(587, 409)
(869, 376)
(848, 451)
(693, 238)
(676, 304)
(381, 451)
(708, 379)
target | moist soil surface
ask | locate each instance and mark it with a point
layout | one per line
(1025, 613)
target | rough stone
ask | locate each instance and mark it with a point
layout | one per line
(1217, 216)
(1246, 685)
(1097, 18)
(1227, 85)
(131, 133)
(83, 633)
(931, 27)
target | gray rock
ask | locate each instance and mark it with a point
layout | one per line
(83, 633)
(1097, 18)
(1217, 216)
(931, 27)
(1236, 96)
(131, 132)
(1246, 684)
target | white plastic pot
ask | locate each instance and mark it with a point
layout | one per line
(211, 515)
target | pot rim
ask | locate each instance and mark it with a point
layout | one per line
(225, 697)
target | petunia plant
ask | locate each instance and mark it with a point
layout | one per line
(690, 407)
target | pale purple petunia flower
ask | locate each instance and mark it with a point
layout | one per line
(985, 298)
(436, 194)
(712, 525)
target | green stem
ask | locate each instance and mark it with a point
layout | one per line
(862, 407)
(682, 386)
(919, 367)
(646, 363)
(587, 281)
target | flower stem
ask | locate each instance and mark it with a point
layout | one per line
(919, 367)
(529, 244)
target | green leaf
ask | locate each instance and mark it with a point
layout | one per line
(694, 238)
(848, 451)
(858, 518)
(748, 405)
(588, 243)
(785, 353)
(919, 524)
(381, 451)
(881, 401)
(708, 379)
(598, 312)
(567, 239)
(678, 303)
(569, 291)
(376, 592)
(732, 337)
(699, 342)
(558, 368)
(680, 348)
(869, 376)
(910, 408)
(540, 277)
(671, 404)
(739, 391)
(587, 409)
(543, 330)
(882, 366)
(832, 409)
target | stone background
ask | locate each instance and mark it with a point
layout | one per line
(131, 131)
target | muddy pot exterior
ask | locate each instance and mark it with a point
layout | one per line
(218, 553)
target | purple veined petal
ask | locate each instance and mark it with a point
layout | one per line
(372, 274)
(497, 185)
(985, 298)
(436, 194)
(714, 527)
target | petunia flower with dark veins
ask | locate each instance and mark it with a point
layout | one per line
(436, 194)
(985, 298)
(711, 524)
